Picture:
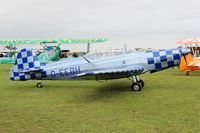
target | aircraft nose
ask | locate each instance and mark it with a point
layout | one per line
(185, 51)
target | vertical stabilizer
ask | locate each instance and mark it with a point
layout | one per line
(26, 61)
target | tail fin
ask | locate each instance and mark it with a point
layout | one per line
(185, 60)
(26, 61)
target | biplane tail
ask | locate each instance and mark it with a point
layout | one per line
(185, 60)
(26, 62)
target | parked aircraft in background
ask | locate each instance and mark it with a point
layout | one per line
(189, 64)
(49, 54)
(28, 67)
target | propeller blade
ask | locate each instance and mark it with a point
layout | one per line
(185, 58)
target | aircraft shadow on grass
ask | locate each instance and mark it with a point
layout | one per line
(104, 92)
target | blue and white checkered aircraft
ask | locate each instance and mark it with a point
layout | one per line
(130, 65)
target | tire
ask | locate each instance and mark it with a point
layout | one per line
(39, 85)
(136, 87)
(141, 82)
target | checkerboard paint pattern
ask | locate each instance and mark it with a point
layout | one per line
(161, 59)
(26, 62)
(28, 75)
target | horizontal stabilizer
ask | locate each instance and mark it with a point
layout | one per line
(29, 70)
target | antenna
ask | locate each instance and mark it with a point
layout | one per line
(125, 49)
(88, 47)
(124, 61)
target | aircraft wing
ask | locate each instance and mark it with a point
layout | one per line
(9, 51)
(59, 41)
(113, 73)
(195, 63)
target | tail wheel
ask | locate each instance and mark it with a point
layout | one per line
(39, 85)
(136, 87)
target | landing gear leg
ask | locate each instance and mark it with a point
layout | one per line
(137, 84)
(39, 85)
(187, 73)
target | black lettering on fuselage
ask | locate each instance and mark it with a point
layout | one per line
(66, 71)
(77, 69)
(61, 71)
(72, 71)
(53, 74)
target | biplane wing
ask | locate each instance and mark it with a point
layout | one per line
(50, 53)
(189, 64)
(59, 41)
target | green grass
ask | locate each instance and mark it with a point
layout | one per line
(169, 103)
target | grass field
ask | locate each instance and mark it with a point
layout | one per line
(169, 102)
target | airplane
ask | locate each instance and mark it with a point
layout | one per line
(189, 64)
(8, 54)
(49, 54)
(128, 65)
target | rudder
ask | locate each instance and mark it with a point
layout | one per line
(26, 61)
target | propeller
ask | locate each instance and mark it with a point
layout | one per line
(184, 56)
(184, 53)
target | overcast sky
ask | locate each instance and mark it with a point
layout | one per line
(137, 23)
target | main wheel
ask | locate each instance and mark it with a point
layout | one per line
(136, 87)
(39, 85)
(141, 82)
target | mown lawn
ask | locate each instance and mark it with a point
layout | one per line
(169, 102)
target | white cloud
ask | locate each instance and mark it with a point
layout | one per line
(138, 23)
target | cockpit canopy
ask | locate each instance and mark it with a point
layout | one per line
(96, 55)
